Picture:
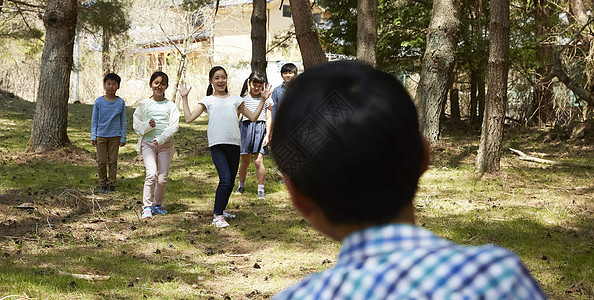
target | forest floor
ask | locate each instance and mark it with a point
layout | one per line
(61, 239)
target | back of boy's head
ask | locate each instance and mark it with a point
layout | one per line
(289, 67)
(347, 137)
(112, 76)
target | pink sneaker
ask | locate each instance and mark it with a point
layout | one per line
(147, 213)
(219, 221)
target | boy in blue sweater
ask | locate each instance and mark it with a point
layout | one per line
(108, 131)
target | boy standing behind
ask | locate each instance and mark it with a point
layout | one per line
(108, 131)
(288, 71)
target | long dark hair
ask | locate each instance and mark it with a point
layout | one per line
(157, 74)
(214, 69)
(255, 77)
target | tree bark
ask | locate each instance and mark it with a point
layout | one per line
(306, 33)
(367, 31)
(51, 112)
(437, 66)
(473, 109)
(455, 97)
(489, 153)
(481, 52)
(105, 59)
(76, 68)
(258, 21)
(580, 13)
(481, 94)
(544, 91)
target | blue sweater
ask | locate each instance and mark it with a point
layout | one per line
(109, 119)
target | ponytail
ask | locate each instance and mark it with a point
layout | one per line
(209, 89)
(245, 87)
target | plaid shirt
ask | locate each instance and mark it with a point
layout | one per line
(401, 261)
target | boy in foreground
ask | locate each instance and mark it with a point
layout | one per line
(348, 144)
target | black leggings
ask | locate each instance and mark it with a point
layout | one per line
(226, 159)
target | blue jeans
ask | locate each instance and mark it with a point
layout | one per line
(226, 160)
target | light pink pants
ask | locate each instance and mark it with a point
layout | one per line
(157, 160)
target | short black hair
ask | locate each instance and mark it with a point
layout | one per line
(289, 67)
(347, 136)
(112, 76)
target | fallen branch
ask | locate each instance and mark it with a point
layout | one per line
(525, 157)
(238, 255)
(85, 276)
(18, 297)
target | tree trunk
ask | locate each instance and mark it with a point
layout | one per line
(105, 60)
(480, 88)
(472, 111)
(367, 30)
(306, 33)
(76, 69)
(51, 111)
(259, 36)
(481, 52)
(489, 154)
(580, 13)
(543, 92)
(437, 66)
(455, 97)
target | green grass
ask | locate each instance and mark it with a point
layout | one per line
(543, 213)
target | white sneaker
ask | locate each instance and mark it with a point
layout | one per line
(219, 221)
(261, 195)
(228, 215)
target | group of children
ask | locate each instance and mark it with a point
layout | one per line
(384, 255)
(156, 120)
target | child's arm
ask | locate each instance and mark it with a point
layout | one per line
(268, 125)
(123, 124)
(188, 114)
(141, 126)
(173, 125)
(94, 120)
(263, 96)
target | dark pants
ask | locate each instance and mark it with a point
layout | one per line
(226, 160)
(107, 156)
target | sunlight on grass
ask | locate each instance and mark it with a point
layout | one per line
(542, 213)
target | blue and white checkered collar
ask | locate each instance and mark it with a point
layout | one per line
(387, 238)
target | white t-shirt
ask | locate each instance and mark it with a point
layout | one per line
(222, 119)
(252, 103)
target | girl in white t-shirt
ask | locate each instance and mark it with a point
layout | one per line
(223, 133)
(254, 135)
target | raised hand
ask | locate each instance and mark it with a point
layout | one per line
(184, 90)
(266, 91)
